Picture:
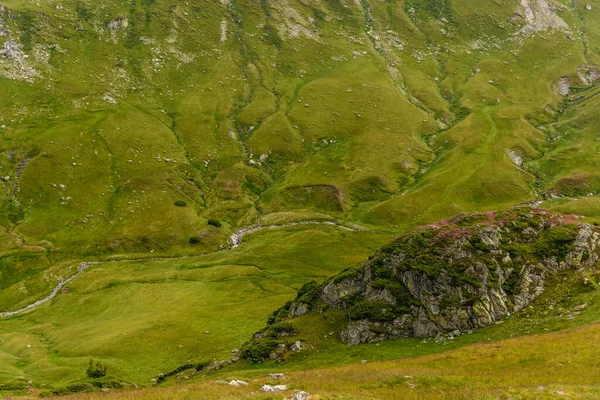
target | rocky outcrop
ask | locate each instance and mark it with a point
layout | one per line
(540, 15)
(456, 275)
(119, 23)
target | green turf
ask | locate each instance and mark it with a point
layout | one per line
(383, 115)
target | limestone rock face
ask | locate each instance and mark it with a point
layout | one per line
(456, 275)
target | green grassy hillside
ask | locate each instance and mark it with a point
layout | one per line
(142, 134)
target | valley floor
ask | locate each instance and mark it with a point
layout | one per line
(553, 365)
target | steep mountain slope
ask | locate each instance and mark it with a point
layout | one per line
(156, 129)
(389, 115)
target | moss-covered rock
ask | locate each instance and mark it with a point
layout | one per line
(459, 274)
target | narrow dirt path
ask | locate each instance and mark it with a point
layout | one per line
(82, 267)
(235, 240)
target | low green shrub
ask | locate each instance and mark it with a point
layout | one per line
(256, 350)
(70, 389)
(478, 244)
(95, 370)
(214, 222)
(510, 285)
(5, 387)
(201, 365)
(471, 301)
(346, 274)
(279, 314)
(282, 329)
(556, 242)
(397, 289)
(309, 292)
(452, 301)
(374, 311)
(180, 368)
(180, 203)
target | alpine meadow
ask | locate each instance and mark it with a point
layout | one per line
(299, 199)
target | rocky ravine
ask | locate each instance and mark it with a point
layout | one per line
(460, 274)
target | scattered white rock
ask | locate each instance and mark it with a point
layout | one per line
(276, 376)
(564, 86)
(301, 396)
(223, 31)
(238, 383)
(273, 389)
(517, 159)
(109, 99)
(297, 346)
(540, 16)
(118, 23)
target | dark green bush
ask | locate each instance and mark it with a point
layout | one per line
(201, 365)
(180, 368)
(518, 250)
(309, 292)
(13, 386)
(510, 285)
(214, 222)
(478, 244)
(459, 276)
(471, 301)
(446, 302)
(429, 261)
(95, 370)
(257, 350)
(194, 240)
(374, 311)
(280, 313)
(180, 203)
(346, 274)
(282, 329)
(379, 270)
(397, 289)
(556, 242)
